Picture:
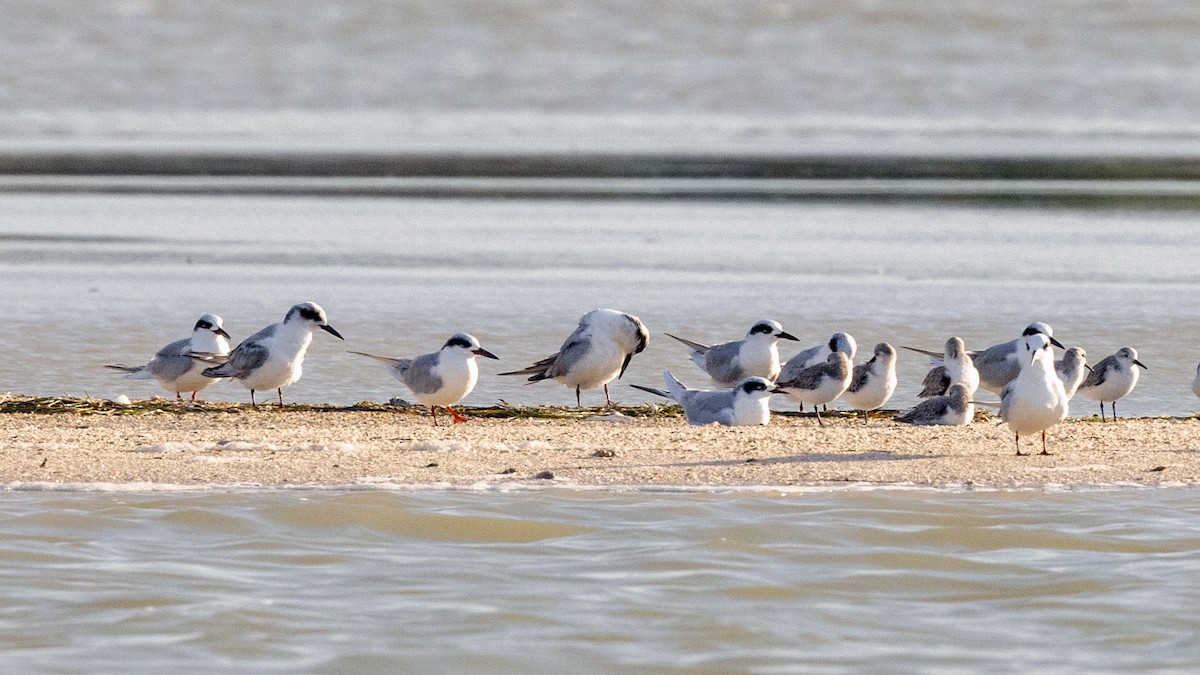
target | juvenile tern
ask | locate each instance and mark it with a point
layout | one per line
(174, 369)
(596, 353)
(1112, 379)
(756, 355)
(954, 408)
(744, 405)
(872, 383)
(273, 357)
(1035, 399)
(819, 384)
(441, 378)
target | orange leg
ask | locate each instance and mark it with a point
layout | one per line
(433, 410)
(457, 416)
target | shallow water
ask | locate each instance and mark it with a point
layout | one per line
(96, 279)
(763, 582)
(810, 581)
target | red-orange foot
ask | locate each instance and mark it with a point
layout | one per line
(458, 417)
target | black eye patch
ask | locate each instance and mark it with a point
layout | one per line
(762, 328)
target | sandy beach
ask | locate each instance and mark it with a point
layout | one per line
(234, 445)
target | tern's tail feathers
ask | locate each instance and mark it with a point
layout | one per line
(538, 371)
(652, 390)
(926, 352)
(132, 372)
(222, 370)
(208, 357)
(384, 359)
(674, 386)
(694, 345)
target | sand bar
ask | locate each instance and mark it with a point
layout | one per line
(234, 445)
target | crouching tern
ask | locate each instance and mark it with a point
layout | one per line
(744, 405)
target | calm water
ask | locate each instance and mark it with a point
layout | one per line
(683, 74)
(560, 581)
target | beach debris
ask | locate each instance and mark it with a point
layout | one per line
(615, 416)
(508, 471)
(544, 475)
(122, 400)
(605, 452)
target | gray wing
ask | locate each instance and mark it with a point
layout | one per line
(243, 360)
(722, 363)
(799, 360)
(176, 348)
(1099, 372)
(706, 407)
(995, 365)
(926, 411)
(809, 378)
(419, 375)
(1005, 401)
(936, 382)
(171, 362)
(1064, 371)
(860, 378)
(574, 350)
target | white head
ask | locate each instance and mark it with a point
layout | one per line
(1129, 356)
(213, 324)
(1037, 327)
(466, 346)
(311, 314)
(1036, 346)
(844, 343)
(768, 330)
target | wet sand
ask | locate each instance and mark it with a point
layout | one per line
(269, 447)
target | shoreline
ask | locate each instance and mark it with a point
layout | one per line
(230, 445)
